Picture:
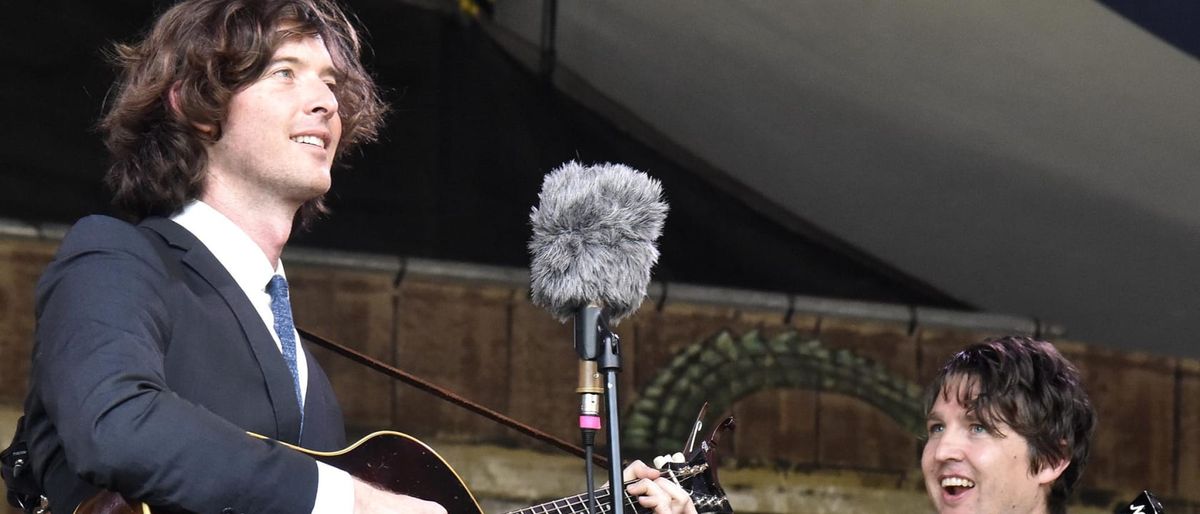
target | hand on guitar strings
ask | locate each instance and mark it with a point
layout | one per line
(656, 491)
(369, 499)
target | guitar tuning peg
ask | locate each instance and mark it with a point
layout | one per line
(689, 446)
(661, 461)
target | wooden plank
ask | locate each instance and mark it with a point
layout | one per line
(888, 344)
(544, 374)
(775, 424)
(853, 433)
(662, 333)
(1188, 457)
(23, 263)
(937, 345)
(1134, 398)
(775, 428)
(355, 309)
(773, 323)
(455, 335)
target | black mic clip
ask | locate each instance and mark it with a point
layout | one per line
(594, 340)
(591, 332)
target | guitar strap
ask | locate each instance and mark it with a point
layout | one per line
(447, 395)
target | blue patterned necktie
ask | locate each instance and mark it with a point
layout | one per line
(281, 308)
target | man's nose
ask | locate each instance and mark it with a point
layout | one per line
(949, 446)
(322, 99)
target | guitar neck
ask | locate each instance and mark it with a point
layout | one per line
(578, 504)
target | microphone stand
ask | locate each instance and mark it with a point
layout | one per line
(594, 341)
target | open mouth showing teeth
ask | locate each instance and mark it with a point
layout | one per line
(310, 140)
(956, 485)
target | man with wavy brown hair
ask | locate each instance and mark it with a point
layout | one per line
(160, 344)
(175, 90)
(1009, 429)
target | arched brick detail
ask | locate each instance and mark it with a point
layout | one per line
(724, 368)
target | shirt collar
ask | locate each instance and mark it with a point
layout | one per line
(232, 247)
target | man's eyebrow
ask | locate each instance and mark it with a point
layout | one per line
(328, 71)
(285, 58)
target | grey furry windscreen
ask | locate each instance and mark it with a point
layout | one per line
(594, 233)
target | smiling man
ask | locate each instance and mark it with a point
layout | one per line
(1009, 429)
(159, 344)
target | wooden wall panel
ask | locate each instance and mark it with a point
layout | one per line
(1188, 457)
(937, 345)
(455, 335)
(888, 344)
(545, 371)
(488, 343)
(355, 309)
(775, 427)
(1134, 397)
(774, 424)
(23, 263)
(660, 334)
(772, 323)
(855, 434)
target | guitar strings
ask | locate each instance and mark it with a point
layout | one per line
(602, 497)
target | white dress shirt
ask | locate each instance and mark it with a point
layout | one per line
(252, 271)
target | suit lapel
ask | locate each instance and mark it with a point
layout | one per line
(276, 376)
(319, 432)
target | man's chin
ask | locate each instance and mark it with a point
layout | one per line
(961, 505)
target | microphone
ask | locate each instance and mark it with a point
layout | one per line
(593, 244)
(594, 233)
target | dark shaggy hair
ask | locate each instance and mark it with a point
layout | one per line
(206, 51)
(1030, 387)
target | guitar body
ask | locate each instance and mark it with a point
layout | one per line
(392, 461)
(401, 464)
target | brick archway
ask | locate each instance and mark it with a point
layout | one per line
(723, 369)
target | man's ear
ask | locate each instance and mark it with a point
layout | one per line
(1049, 474)
(177, 111)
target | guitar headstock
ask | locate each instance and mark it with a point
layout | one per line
(1145, 503)
(698, 473)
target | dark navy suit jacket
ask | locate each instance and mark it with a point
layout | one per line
(150, 365)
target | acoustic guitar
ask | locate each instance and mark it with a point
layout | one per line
(402, 464)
